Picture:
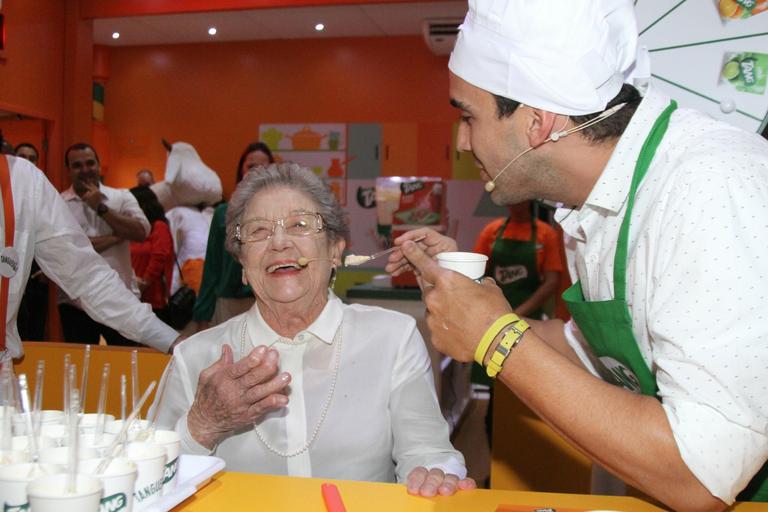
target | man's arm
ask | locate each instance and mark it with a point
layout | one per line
(124, 226)
(102, 243)
(628, 434)
(129, 225)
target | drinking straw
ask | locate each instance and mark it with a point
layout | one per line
(150, 431)
(27, 413)
(119, 440)
(100, 417)
(7, 429)
(84, 377)
(123, 397)
(37, 403)
(67, 361)
(74, 419)
(134, 378)
(332, 498)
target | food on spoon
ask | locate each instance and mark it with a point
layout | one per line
(354, 259)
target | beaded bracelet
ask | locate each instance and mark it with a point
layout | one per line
(508, 343)
(491, 333)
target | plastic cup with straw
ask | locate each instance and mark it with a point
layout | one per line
(74, 420)
(100, 418)
(84, 377)
(149, 433)
(114, 449)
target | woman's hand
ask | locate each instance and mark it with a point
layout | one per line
(431, 243)
(428, 483)
(231, 395)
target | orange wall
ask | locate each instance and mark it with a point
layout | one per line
(214, 95)
(45, 41)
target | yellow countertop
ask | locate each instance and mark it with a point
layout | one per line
(243, 491)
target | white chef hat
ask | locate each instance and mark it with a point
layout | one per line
(564, 56)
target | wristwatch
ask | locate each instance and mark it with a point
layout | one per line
(101, 209)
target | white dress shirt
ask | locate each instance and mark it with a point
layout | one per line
(119, 255)
(697, 282)
(383, 420)
(46, 231)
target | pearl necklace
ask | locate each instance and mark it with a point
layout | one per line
(326, 405)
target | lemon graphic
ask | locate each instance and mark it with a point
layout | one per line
(731, 70)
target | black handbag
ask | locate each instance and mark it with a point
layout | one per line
(181, 304)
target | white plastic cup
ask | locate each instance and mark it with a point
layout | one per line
(171, 441)
(118, 480)
(14, 479)
(14, 457)
(88, 422)
(21, 443)
(150, 461)
(89, 441)
(470, 264)
(48, 417)
(49, 494)
(59, 433)
(114, 427)
(60, 454)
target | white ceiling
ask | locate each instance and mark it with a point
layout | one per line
(288, 23)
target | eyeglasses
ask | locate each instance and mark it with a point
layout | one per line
(297, 224)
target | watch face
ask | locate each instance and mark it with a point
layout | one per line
(101, 209)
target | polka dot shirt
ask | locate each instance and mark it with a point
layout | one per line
(697, 282)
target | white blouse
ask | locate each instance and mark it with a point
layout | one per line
(697, 275)
(383, 419)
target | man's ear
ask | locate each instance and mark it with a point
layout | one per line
(540, 124)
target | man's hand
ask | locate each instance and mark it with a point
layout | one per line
(91, 195)
(429, 483)
(459, 310)
(431, 242)
(232, 395)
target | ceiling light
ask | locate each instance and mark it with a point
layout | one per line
(319, 27)
(212, 31)
(115, 35)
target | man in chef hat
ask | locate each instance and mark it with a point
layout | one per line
(660, 375)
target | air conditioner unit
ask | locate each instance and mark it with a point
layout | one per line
(440, 34)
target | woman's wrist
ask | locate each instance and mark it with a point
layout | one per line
(200, 432)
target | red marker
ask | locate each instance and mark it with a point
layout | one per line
(332, 498)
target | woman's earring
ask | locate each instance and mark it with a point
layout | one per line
(332, 282)
(243, 279)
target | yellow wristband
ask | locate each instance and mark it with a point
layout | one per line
(508, 343)
(491, 333)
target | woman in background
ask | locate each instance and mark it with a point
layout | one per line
(152, 259)
(222, 291)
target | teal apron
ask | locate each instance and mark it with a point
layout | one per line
(513, 267)
(607, 325)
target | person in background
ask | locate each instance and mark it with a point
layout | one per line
(302, 384)
(190, 226)
(47, 232)
(145, 178)
(153, 258)
(223, 294)
(111, 218)
(524, 258)
(33, 310)
(660, 376)
(28, 151)
(6, 148)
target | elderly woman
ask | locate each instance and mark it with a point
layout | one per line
(303, 384)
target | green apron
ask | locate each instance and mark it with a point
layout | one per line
(513, 267)
(607, 324)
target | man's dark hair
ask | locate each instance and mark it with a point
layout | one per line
(79, 146)
(27, 145)
(149, 204)
(250, 148)
(609, 128)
